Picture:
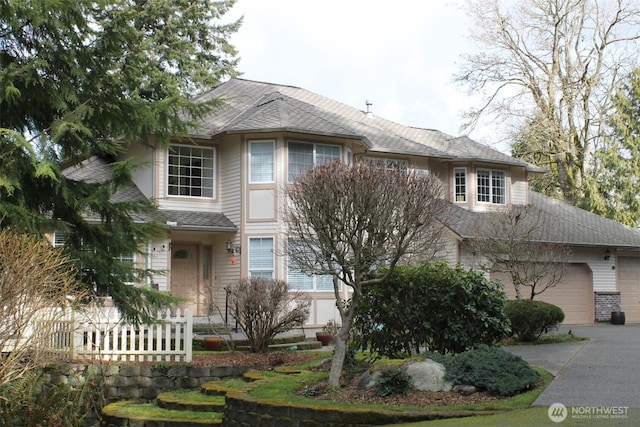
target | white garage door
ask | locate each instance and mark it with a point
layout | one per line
(574, 295)
(629, 287)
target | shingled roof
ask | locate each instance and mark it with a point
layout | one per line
(251, 106)
(563, 224)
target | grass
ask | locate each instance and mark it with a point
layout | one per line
(148, 411)
(281, 387)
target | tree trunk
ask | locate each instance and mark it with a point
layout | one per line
(340, 351)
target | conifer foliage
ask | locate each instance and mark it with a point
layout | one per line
(80, 80)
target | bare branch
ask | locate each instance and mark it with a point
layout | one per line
(350, 221)
(511, 242)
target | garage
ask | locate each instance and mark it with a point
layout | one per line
(574, 295)
(629, 287)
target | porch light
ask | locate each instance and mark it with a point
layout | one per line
(231, 248)
(607, 255)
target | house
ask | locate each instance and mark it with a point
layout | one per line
(220, 194)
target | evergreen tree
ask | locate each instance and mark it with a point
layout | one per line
(618, 198)
(82, 79)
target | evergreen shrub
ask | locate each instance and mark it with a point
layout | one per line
(530, 319)
(491, 369)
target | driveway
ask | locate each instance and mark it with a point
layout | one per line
(602, 372)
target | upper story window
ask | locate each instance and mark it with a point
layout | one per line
(491, 186)
(191, 171)
(261, 162)
(389, 164)
(303, 157)
(261, 262)
(460, 184)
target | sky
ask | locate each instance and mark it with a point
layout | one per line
(401, 55)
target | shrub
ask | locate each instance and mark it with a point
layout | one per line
(394, 381)
(264, 308)
(443, 308)
(530, 319)
(491, 369)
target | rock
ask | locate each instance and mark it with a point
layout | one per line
(428, 375)
(368, 380)
(465, 389)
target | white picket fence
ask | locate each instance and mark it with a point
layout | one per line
(100, 333)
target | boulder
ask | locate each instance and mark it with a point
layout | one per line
(428, 375)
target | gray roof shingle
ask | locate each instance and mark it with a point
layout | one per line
(251, 106)
(196, 221)
(564, 224)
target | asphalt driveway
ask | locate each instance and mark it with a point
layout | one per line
(603, 372)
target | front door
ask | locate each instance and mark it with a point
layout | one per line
(191, 275)
(184, 275)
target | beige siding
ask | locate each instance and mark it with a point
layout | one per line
(629, 287)
(519, 186)
(159, 261)
(603, 271)
(143, 176)
(450, 252)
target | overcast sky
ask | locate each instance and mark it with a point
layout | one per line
(399, 54)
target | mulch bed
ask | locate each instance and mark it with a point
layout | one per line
(348, 392)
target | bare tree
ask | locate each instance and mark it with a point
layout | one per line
(264, 308)
(37, 285)
(348, 221)
(548, 68)
(510, 242)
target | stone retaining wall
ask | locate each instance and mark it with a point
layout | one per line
(241, 410)
(138, 381)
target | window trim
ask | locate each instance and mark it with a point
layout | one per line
(314, 145)
(273, 164)
(273, 255)
(315, 278)
(214, 183)
(492, 195)
(455, 185)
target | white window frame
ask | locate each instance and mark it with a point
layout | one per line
(460, 196)
(290, 176)
(300, 281)
(178, 177)
(259, 270)
(260, 158)
(60, 239)
(494, 197)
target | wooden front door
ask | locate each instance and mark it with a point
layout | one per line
(185, 275)
(191, 275)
